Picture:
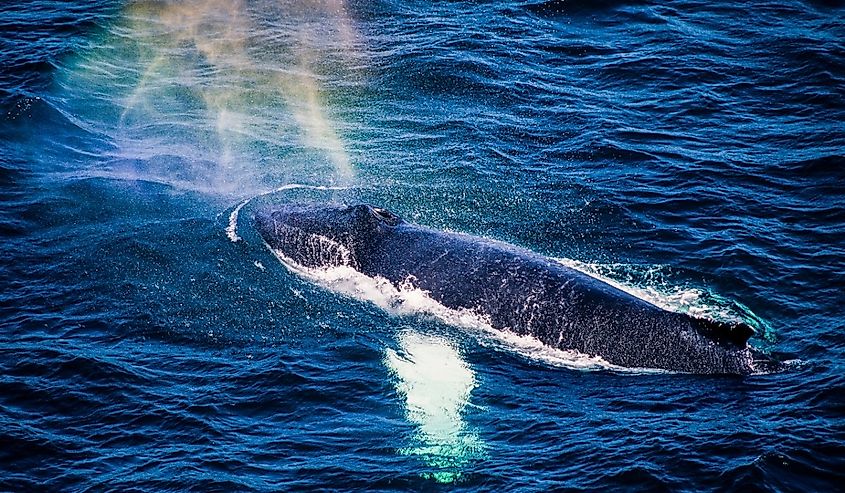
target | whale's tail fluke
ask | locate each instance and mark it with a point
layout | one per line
(735, 333)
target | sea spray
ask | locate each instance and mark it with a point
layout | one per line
(219, 96)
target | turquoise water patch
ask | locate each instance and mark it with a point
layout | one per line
(436, 385)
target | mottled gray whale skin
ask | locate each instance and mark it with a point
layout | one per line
(515, 289)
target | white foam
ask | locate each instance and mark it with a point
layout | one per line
(232, 227)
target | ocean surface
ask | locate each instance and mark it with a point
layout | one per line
(690, 152)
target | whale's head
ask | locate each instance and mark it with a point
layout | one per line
(324, 235)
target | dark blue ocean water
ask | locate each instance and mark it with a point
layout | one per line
(693, 152)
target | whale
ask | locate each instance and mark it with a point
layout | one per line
(512, 288)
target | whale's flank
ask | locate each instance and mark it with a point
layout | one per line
(515, 289)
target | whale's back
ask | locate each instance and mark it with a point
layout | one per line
(523, 292)
(513, 288)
